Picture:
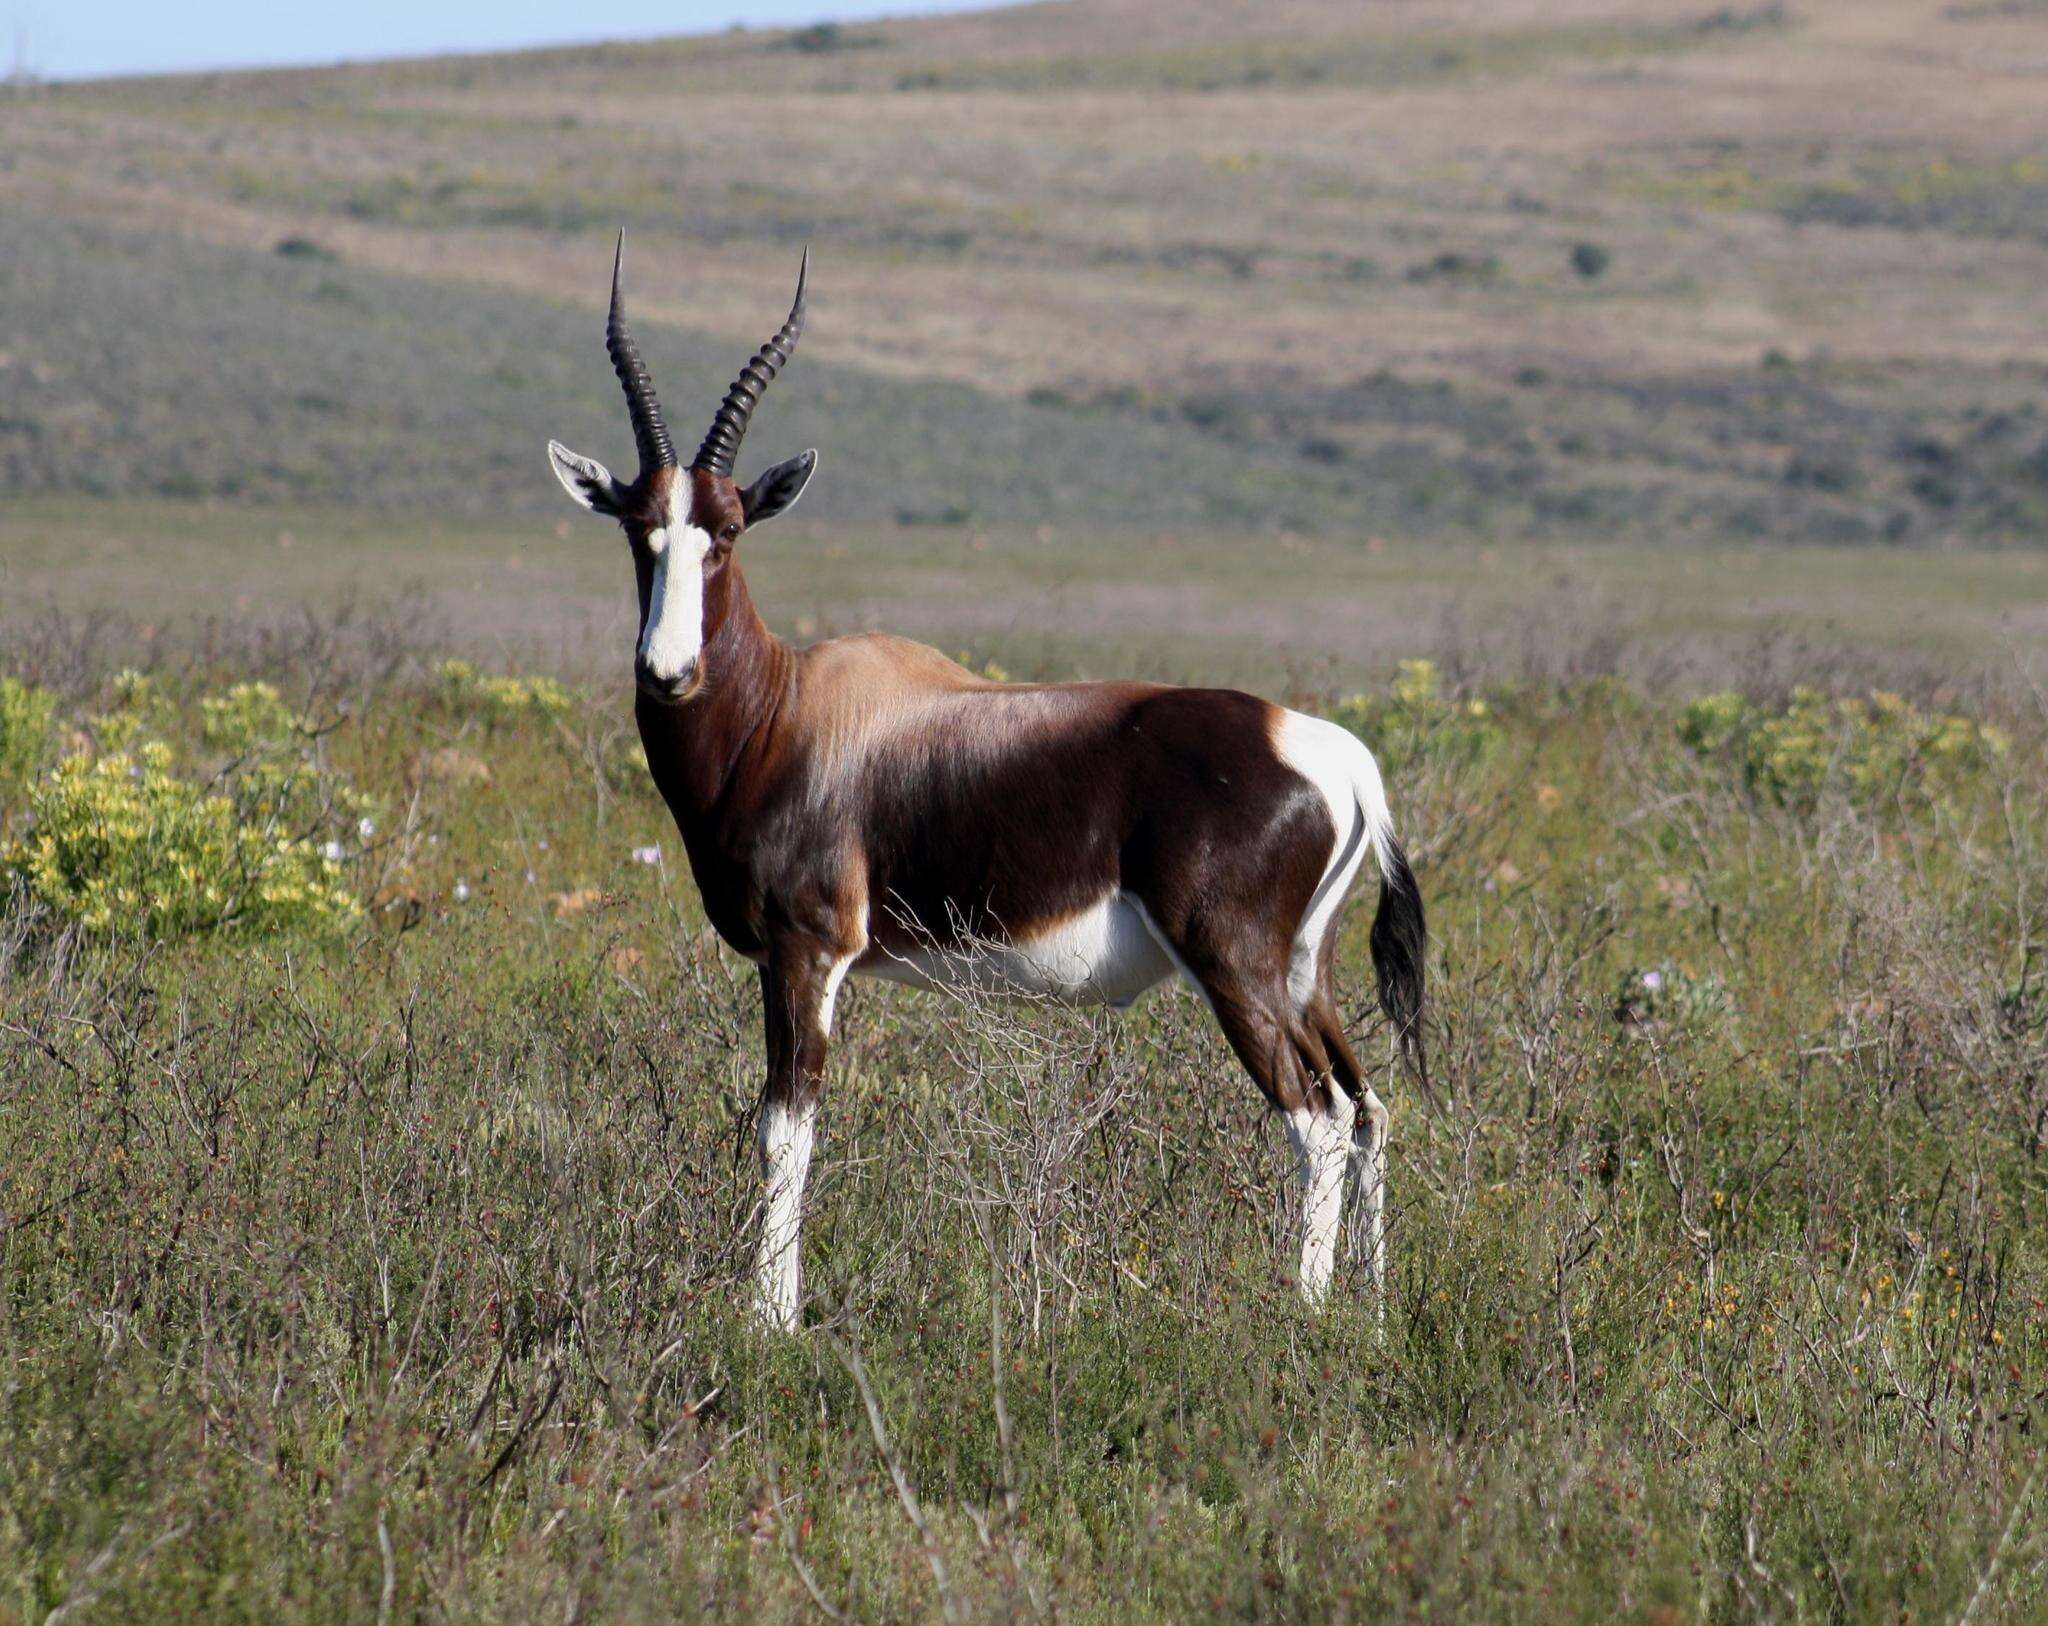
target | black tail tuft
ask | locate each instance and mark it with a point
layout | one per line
(1400, 939)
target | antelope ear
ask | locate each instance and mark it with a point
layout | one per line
(776, 491)
(586, 479)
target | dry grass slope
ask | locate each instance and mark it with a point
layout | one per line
(1652, 270)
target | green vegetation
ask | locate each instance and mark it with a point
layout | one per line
(503, 699)
(1414, 722)
(403, 396)
(408, 1267)
(1885, 189)
(114, 841)
(25, 716)
(400, 395)
(1389, 59)
(1870, 749)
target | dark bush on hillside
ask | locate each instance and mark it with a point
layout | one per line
(1452, 266)
(822, 38)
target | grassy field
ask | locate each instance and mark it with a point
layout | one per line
(389, 1253)
(1285, 614)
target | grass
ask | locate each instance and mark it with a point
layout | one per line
(405, 1270)
(1281, 614)
(323, 384)
(1371, 62)
(1880, 188)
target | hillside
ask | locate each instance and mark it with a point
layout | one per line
(1648, 271)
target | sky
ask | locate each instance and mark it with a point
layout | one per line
(82, 39)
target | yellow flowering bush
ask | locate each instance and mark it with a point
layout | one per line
(1414, 722)
(624, 763)
(501, 699)
(25, 716)
(1863, 747)
(249, 717)
(133, 703)
(120, 844)
(117, 841)
(272, 776)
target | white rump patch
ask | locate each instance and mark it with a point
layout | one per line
(1105, 955)
(1337, 763)
(674, 634)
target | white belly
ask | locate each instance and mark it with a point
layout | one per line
(1106, 955)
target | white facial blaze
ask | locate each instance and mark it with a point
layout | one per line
(674, 633)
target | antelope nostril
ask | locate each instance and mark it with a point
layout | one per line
(659, 686)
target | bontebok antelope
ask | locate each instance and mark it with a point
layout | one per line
(865, 805)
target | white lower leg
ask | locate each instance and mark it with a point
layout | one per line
(1322, 1140)
(1371, 1154)
(786, 1140)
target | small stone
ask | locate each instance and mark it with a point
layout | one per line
(448, 765)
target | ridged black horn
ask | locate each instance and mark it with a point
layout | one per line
(729, 425)
(657, 451)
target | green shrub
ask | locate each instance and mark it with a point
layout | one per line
(249, 717)
(303, 248)
(1666, 996)
(1590, 259)
(25, 716)
(117, 842)
(134, 704)
(504, 699)
(1862, 748)
(822, 39)
(121, 844)
(1414, 723)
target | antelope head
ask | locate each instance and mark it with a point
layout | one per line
(683, 524)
